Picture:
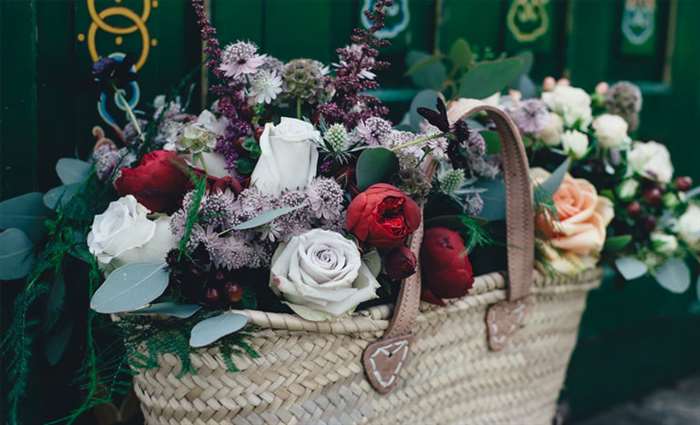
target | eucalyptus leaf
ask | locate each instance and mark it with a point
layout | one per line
(630, 267)
(25, 212)
(487, 78)
(373, 261)
(130, 287)
(213, 328)
(424, 99)
(265, 217)
(494, 197)
(375, 165)
(461, 54)
(181, 311)
(71, 170)
(16, 254)
(673, 275)
(61, 195)
(526, 87)
(545, 190)
(426, 71)
(617, 243)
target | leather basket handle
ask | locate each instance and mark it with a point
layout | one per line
(384, 359)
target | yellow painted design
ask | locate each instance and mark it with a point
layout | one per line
(528, 20)
(139, 25)
(81, 37)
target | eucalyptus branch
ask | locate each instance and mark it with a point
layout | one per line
(419, 141)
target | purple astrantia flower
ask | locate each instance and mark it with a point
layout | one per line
(373, 131)
(529, 115)
(325, 199)
(240, 58)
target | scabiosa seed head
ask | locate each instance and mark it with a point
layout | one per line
(530, 116)
(303, 79)
(625, 99)
(337, 137)
(414, 182)
(451, 180)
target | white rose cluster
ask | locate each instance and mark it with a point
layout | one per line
(611, 131)
(575, 143)
(688, 227)
(571, 103)
(124, 234)
(651, 160)
(320, 275)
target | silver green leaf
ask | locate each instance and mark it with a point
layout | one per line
(181, 311)
(25, 212)
(213, 328)
(630, 267)
(265, 217)
(71, 170)
(673, 275)
(16, 254)
(130, 287)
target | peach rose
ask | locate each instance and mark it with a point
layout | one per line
(581, 216)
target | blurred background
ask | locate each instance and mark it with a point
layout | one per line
(635, 337)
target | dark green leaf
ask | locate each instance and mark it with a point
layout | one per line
(487, 78)
(57, 342)
(130, 287)
(493, 142)
(214, 328)
(16, 254)
(71, 170)
(617, 243)
(25, 212)
(375, 165)
(426, 71)
(461, 54)
(55, 301)
(244, 166)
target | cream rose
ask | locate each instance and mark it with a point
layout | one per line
(688, 227)
(573, 104)
(651, 160)
(611, 131)
(551, 133)
(575, 143)
(581, 216)
(289, 156)
(123, 234)
(320, 275)
(663, 243)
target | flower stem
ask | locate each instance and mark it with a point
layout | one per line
(129, 112)
(298, 108)
(418, 141)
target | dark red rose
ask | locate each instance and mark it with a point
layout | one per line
(400, 263)
(446, 270)
(157, 182)
(382, 216)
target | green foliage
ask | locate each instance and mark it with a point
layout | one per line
(473, 231)
(200, 187)
(375, 165)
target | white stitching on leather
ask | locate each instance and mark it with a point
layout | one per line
(387, 351)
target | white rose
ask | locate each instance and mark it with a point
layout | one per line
(575, 143)
(611, 131)
(289, 156)
(651, 160)
(320, 275)
(551, 133)
(664, 243)
(688, 226)
(123, 234)
(572, 103)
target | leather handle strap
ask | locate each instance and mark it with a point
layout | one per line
(381, 358)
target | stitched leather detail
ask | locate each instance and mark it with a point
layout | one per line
(383, 361)
(503, 319)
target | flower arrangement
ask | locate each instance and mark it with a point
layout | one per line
(293, 193)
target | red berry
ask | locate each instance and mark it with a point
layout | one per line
(259, 132)
(634, 209)
(211, 295)
(234, 292)
(649, 223)
(653, 196)
(683, 183)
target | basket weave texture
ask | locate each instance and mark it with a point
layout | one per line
(311, 373)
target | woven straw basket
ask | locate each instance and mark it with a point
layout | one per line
(496, 356)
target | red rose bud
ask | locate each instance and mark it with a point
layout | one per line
(211, 296)
(400, 263)
(653, 196)
(447, 272)
(234, 292)
(382, 216)
(157, 182)
(634, 209)
(684, 183)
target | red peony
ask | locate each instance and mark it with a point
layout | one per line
(157, 182)
(382, 216)
(447, 272)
